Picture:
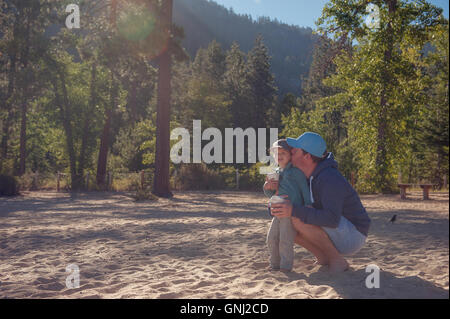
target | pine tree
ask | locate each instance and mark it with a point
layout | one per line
(236, 86)
(206, 93)
(262, 86)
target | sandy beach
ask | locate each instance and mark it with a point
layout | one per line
(207, 245)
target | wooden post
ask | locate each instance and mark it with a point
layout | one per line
(445, 182)
(142, 179)
(426, 191)
(403, 188)
(57, 181)
(403, 192)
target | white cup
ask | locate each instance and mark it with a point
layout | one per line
(273, 176)
(276, 200)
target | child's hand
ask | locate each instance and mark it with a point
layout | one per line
(283, 210)
(271, 184)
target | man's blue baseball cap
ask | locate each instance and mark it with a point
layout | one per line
(310, 142)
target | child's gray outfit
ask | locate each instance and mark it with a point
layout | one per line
(281, 236)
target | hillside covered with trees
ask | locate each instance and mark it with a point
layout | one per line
(289, 46)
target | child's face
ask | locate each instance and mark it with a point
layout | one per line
(282, 157)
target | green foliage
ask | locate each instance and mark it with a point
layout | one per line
(380, 83)
(250, 178)
(135, 146)
(198, 177)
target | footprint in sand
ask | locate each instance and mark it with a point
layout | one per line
(209, 270)
(112, 267)
(91, 274)
(181, 281)
(202, 284)
(132, 270)
(252, 284)
(114, 289)
(260, 265)
(161, 285)
(52, 287)
(42, 280)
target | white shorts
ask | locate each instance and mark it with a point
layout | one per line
(346, 238)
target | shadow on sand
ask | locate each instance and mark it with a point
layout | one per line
(352, 285)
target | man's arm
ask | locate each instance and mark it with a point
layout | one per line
(332, 196)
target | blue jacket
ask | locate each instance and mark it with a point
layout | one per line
(292, 182)
(332, 197)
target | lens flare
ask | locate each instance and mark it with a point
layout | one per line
(136, 23)
(139, 26)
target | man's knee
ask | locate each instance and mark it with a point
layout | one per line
(307, 231)
(297, 223)
(301, 227)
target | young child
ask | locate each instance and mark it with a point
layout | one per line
(291, 182)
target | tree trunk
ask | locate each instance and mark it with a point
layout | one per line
(437, 173)
(23, 124)
(132, 101)
(104, 142)
(87, 121)
(65, 118)
(381, 157)
(161, 185)
(23, 137)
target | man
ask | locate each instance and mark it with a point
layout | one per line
(337, 223)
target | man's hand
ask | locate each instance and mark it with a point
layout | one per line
(271, 185)
(282, 210)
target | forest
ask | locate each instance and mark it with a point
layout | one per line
(82, 103)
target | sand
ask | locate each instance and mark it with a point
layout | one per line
(207, 245)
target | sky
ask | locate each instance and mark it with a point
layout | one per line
(303, 13)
